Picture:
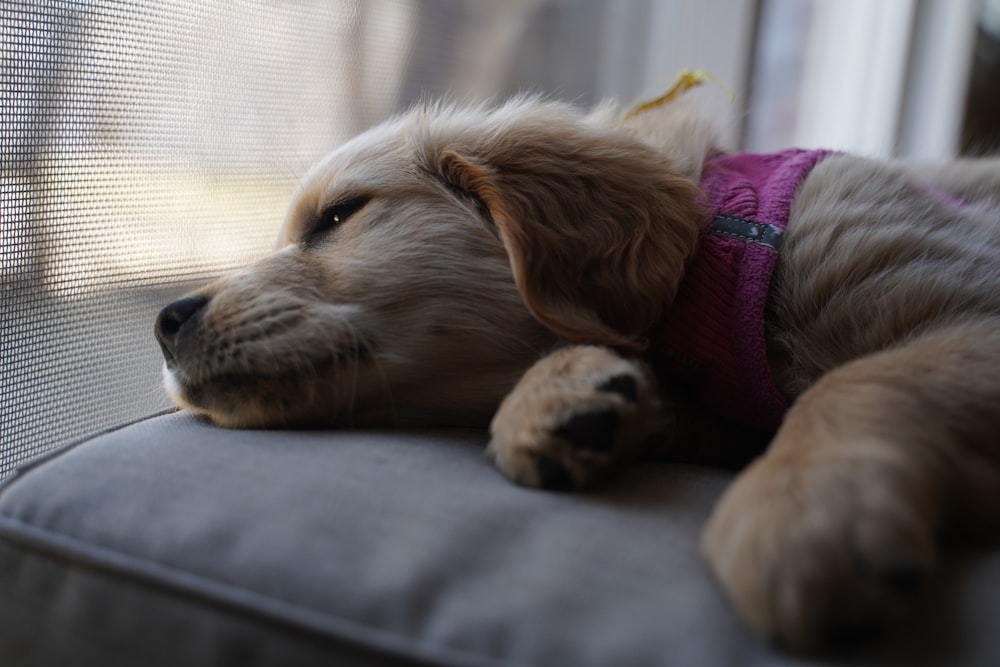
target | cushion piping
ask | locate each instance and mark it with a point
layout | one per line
(44, 457)
(243, 599)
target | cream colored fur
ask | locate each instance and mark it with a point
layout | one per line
(509, 261)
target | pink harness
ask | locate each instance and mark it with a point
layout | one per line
(712, 336)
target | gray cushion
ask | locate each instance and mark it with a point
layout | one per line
(172, 542)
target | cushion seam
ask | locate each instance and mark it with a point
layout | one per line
(182, 581)
(22, 469)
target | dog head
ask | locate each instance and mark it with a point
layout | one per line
(426, 264)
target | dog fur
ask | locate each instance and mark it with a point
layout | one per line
(457, 265)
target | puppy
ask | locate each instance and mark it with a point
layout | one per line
(593, 284)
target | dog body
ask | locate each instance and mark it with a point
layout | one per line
(519, 263)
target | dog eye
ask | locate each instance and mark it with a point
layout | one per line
(333, 216)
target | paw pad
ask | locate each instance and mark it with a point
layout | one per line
(902, 578)
(553, 475)
(590, 431)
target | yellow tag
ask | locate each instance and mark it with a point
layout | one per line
(686, 80)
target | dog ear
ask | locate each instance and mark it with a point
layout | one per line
(597, 225)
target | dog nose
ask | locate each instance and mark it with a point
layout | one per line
(172, 318)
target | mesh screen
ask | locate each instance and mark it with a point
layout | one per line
(146, 147)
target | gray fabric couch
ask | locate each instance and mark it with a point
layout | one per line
(170, 542)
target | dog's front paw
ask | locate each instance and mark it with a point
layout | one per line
(822, 549)
(573, 417)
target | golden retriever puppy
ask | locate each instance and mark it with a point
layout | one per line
(595, 285)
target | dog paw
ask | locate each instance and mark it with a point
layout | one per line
(821, 551)
(574, 416)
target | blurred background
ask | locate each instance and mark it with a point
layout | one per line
(146, 147)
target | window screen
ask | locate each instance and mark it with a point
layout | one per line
(146, 147)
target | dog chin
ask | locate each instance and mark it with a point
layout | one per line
(173, 387)
(246, 412)
(175, 391)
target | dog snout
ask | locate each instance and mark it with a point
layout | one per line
(172, 319)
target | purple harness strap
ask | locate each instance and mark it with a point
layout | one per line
(712, 335)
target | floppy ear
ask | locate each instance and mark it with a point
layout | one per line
(597, 225)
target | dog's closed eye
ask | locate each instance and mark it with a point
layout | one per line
(332, 217)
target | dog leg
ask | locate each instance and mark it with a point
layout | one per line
(823, 537)
(573, 417)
